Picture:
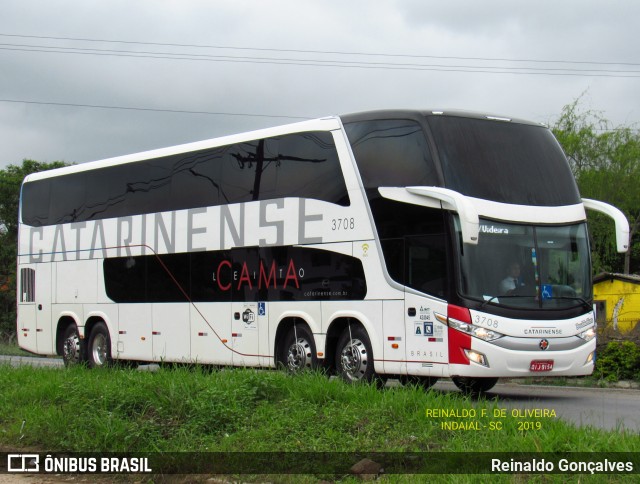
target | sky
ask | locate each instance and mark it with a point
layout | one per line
(84, 80)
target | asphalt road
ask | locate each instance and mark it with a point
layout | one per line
(604, 408)
(29, 360)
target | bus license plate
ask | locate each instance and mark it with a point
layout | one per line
(541, 365)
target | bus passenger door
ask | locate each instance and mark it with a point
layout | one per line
(246, 315)
(245, 328)
(27, 310)
(425, 271)
(44, 336)
(211, 333)
(134, 332)
(211, 286)
(171, 332)
(426, 336)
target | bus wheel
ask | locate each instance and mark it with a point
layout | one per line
(99, 347)
(474, 386)
(354, 357)
(299, 350)
(425, 382)
(71, 350)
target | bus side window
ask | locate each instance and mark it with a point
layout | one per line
(393, 250)
(392, 153)
(68, 197)
(413, 240)
(308, 167)
(426, 260)
(238, 172)
(196, 178)
(36, 202)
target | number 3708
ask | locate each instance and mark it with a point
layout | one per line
(343, 223)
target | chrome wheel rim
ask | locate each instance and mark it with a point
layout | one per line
(99, 349)
(299, 355)
(354, 360)
(71, 349)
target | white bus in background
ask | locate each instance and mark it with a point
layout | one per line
(409, 244)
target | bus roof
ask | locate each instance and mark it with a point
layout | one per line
(417, 114)
(320, 124)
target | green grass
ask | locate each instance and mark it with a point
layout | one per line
(13, 350)
(176, 410)
(181, 409)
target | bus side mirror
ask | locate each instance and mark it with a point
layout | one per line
(452, 200)
(622, 224)
(443, 198)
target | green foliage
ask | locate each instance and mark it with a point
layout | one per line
(619, 361)
(12, 349)
(10, 181)
(178, 409)
(606, 163)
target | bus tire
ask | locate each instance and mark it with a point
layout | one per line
(354, 356)
(71, 346)
(298, 349)
(474, 386)
(426, 382)
(99, 346)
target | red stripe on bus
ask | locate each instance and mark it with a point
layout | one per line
(458, 341)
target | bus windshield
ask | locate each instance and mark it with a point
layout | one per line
(503, 162)
(526, 266)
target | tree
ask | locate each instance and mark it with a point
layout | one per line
(10, 181)
(606, 163)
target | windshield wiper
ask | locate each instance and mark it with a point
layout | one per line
(573, 298)
(504, 296)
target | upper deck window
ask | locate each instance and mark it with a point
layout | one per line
(302, 165)
(503, 162)
(391, 153)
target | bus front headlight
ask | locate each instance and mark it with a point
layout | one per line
(588, 334)
(477, 357)
(477, 331)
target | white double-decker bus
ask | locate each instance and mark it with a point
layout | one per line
(410, 244)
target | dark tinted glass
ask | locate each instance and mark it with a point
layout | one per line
(148, 185)
(240, 167)
(106, 194)
(67, 199)
(168, 277)
(246, 263)
(527, 266)
(242, 274)
(297, 165)
(126, 278)
(307, 166)
(391, 153)
(413, 240)
(36, 198)
(196, 179)
(504, 162)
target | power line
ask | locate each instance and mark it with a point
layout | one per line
(158, 110)
(210, 113)
(378, 54)
(331, 63)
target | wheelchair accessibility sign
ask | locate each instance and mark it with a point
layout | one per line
(423, 328)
